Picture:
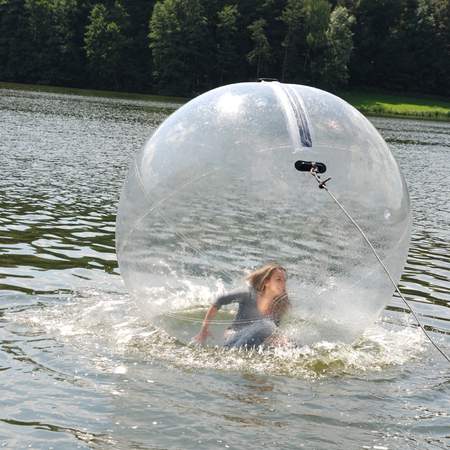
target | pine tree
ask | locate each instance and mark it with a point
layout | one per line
(261, 52)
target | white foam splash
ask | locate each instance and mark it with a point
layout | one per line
(105, 325)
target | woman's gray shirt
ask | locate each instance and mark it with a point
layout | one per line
(248, 311)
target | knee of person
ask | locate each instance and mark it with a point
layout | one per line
(268, 326)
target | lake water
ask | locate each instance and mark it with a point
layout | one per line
(81, 368)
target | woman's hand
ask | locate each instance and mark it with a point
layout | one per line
(202, 336)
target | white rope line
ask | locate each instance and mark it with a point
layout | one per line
(322, 185)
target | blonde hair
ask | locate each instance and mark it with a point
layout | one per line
(258, 277)
(257, 280)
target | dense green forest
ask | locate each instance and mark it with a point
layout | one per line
(183, 47)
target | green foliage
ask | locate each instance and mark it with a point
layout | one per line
(186, 46)
(15, 48)
(137, 67)
(105, 42)
(376, 33)
(181, 46)
(39, 41)
(294, 42)
(317, 17)
(227, 43)
(402, 45)
(306, 41)
(432, 41)
(339, 47)
(261, 52)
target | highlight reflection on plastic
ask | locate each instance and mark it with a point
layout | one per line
(214, 193)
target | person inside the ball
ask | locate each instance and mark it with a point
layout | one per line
(260, 309)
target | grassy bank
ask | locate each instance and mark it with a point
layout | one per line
(374, 103)
(371, 103)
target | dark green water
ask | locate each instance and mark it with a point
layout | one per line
(81, 368)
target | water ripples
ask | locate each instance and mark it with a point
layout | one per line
(82, 367)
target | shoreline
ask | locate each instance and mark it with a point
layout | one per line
(368, 102)
(90, 92)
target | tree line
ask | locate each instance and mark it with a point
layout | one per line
(184, 47)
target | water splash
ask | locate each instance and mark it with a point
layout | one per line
(109, 327)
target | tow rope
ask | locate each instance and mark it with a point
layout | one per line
(315, 169)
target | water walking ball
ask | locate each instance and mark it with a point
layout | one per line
(216, 192)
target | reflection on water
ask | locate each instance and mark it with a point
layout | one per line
(82, 368)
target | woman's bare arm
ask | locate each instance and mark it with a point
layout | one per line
(235, 296)
(204, 331)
